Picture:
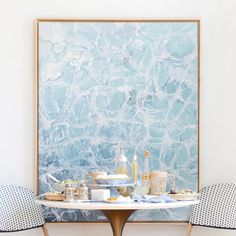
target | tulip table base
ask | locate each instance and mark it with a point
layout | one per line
(117, 219)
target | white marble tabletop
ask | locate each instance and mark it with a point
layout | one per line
(89, 205)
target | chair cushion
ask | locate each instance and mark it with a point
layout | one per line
(18, 209)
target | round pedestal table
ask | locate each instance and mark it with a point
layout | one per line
(117, 213)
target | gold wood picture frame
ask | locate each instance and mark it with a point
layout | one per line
(106, 83)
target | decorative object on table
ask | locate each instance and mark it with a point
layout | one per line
(158, 181)
(83, 192)
(54, 196)
(122, 164)
(153, 198)
(60, 187)
(19, 210)
(184, 195)
(135, 168)
(55, 180)
(117, 179)
(94, 175)
(216, 209)
(121, 168)
(102, 83)
(118, 184)
(69, 193)
(100, 194)
(125, 191)
(140, 189)
(119, 200)
(116, 189)
(146, 171)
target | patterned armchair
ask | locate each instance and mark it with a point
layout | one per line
(216, 209)
(18, 210)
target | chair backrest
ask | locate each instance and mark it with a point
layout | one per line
(18, 211)
(217, 207)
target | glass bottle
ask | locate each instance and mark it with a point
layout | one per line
(69, 193)
(135, 167)
(146, 171)
(83, 192)
(122, 164)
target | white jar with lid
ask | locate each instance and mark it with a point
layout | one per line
(100, 194)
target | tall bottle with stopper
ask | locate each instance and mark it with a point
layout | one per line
(135, 167)
(146, 170)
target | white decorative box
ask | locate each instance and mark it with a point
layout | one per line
(100, 194)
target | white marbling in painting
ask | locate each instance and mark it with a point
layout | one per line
(102, 85)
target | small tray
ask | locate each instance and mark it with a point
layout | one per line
(185, 196)
(54, 196)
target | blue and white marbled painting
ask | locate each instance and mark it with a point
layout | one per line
(106, 84)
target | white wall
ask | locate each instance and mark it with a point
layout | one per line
(218, 111)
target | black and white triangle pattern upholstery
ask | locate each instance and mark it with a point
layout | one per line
(18, 211)
(217, 207)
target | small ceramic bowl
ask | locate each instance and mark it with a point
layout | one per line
(60, 187)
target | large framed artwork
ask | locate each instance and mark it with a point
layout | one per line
(106, 83)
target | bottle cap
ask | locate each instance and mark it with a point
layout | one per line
(122, 158)
(146, 154)
(135, 158)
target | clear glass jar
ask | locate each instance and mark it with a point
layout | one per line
(83, 192)
(122, 164)
(69, 193)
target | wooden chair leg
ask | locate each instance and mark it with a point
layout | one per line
(189, 230)
(45, 230)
